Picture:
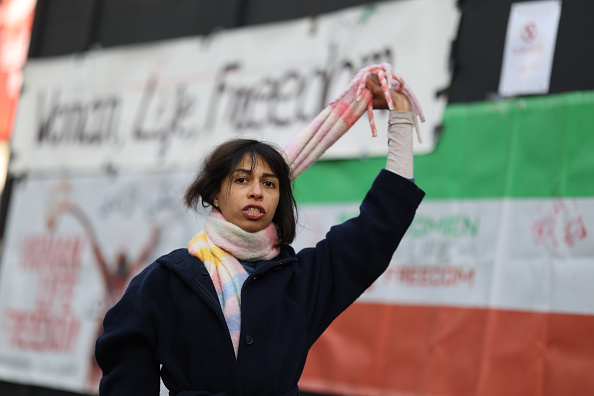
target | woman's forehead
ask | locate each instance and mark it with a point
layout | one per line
(253, 162)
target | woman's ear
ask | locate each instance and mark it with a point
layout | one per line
(215, 201)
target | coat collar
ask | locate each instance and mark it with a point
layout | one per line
(189, 267)
(192, 271)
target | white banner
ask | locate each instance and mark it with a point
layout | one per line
(166, 103)
(71, 247)
(528, 254)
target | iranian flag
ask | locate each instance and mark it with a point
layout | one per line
(491, 292)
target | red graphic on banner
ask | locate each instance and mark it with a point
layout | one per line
(575, 230)
(561, 224)
(116, 274)
(51, 324)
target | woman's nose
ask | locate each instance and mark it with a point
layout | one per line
(256, 191)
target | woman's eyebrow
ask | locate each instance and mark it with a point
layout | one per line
(249, 171)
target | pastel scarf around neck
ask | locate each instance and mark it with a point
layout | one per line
(219, 246)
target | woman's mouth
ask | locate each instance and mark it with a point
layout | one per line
(253, 212)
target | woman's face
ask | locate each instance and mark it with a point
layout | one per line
(250, 201)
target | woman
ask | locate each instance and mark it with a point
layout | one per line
(238, 310)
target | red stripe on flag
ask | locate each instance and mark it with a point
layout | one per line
(375, 349)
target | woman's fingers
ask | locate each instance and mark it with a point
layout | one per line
(379, 99)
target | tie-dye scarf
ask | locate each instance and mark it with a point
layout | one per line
(340, 115)
(219, 246)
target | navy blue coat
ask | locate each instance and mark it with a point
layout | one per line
(170, 314)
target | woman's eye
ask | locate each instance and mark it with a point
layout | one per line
(269, 184)
(241, 180)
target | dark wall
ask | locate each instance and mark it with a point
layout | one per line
(479, 49)
(69, 26)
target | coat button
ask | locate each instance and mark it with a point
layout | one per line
(249, 339)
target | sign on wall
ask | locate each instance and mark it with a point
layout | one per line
(529, 47)
(167, 103)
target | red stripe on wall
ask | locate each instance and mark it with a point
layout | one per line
(16, 21)
(375, 349)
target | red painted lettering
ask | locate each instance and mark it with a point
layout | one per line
(435, 276)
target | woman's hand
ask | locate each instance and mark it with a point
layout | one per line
(379, 99)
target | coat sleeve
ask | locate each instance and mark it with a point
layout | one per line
(354, 254)
(126, 350)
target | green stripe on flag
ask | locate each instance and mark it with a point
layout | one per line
(521, 148)
(337, 181)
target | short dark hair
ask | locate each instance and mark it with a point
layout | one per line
(224, 159)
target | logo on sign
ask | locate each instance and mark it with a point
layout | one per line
(562, 224)
(528, 32)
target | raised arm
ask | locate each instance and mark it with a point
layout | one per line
(400, 126)
(354, 254)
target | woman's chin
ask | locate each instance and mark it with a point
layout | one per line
(252, 226)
